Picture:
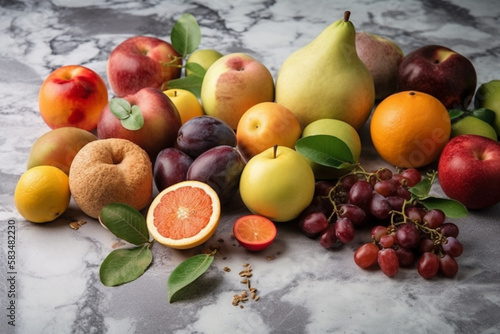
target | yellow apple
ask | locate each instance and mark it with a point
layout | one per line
(264, 125)
(187, 103)
(203, 57)
(233, 84)
(277, 183)
(337, 128)
(58, 147)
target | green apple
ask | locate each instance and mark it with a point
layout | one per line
(203, 57)
(337, 128)
(488, 96)
(470, 125)
(277, 183)
(233, 84)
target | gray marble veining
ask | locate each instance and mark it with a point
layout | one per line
(303, 288)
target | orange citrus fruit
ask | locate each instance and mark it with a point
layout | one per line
(184, 215)
(254, 232)
(410, 129)
(42, 194)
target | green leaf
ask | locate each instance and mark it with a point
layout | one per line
(135, 121)
(196, 69)
(187, 272)
(185, 35)
(125, 265)
(451, 208)
(191, 83)
(455, 114)
(125, 222)
(421, 190)
(484, 114)
(120, 107)
(326, 150)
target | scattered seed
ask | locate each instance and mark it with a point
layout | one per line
(77, 224)
(226, 269)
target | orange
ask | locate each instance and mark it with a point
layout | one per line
(254, 232)
(42, 194)
(410, 129)
(264, 125)
(184, 215)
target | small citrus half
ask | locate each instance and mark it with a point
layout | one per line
(254, 232)
(184, 215)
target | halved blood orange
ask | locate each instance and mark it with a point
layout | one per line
(184, 215)
(254, 232)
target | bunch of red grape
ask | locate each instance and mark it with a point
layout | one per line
(402, 229)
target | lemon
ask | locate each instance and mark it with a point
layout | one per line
(42, 194)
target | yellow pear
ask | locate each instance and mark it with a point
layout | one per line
(326, 79)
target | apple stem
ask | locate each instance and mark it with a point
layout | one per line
(275, 151)
(347, 14)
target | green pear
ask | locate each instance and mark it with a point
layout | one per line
(327, 79)
(488, 96)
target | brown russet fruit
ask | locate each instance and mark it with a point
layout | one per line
(111, 170)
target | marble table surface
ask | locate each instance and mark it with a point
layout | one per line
(55, 287)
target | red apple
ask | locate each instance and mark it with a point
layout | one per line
(440, 72)
(469, 171)
(142, 61)
(72, 95)
(161, 122)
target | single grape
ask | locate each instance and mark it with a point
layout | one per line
(379, 206)
(344, 230)
(434, 218)
(403, 192)
(388, 261)
(387, 240)
(384, 174)
(413, 213)
(428, 265)
(385, 188)
(313, 223)
(411, 176)
(405, 257)
(426, 245)
(449, 230)
(327, 239)
(397, 179)
(408, 236)
(396, 202)
(453, 247)
(448, 266)
(355, 214)
(377, 232)
(360, 193)
(366, 255)
(348, 181)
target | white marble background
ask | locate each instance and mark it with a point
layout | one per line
(305, 289)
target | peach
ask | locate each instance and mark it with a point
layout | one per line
(233, 84)
(72, 95)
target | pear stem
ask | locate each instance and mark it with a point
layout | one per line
(275, 151)
(347, 14)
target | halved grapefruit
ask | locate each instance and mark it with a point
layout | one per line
(184, 215)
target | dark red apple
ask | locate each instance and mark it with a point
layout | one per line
(441, 72)
(161, 122)
(469, 171)
(142, 61)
